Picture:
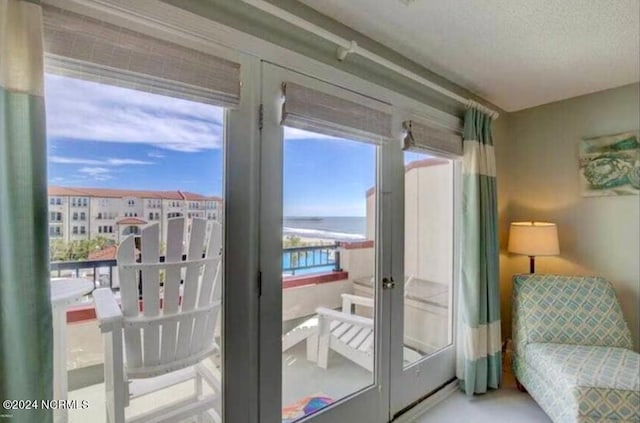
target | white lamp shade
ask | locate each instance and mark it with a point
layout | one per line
(534, 238)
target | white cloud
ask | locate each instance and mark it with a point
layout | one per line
(300, 134)
(294, 134)
(124, 162)
(81, 110)
(97, 173)
(156, 155)
(105, 162)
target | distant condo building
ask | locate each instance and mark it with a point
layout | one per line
(86, 213)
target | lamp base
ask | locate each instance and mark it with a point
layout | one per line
(532, 264)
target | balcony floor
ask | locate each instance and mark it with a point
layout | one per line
(300, 378)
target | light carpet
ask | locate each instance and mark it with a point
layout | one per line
(507, 404)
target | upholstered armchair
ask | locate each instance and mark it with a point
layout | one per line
(573, 350)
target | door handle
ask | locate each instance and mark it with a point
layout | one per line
(388, 283)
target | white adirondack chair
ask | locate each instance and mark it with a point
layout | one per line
(349, 335)
(163, 337)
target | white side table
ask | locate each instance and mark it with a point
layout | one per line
(64, 292)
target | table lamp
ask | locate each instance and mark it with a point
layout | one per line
(533, 239)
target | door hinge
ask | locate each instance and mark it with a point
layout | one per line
(388, 283)
(260, 116)
(259, 284)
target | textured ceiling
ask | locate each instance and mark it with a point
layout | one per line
(514, 53)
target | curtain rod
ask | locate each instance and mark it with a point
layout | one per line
(346, 47)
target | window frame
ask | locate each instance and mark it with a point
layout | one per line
(242, 204)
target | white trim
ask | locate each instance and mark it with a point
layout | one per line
(428, 403)
(479, 159)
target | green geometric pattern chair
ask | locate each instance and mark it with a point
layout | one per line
(573, 349)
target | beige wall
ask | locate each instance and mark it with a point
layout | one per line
(428, 220)
(538, 179)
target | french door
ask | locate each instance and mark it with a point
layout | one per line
(425, 260)
(339, 339)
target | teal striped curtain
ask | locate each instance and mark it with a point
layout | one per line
(479, 340)
(26, 351)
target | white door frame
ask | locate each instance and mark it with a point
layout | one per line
(241, 217)
(371, 403)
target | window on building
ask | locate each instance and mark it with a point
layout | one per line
(75, 230)
(99, 229)
(131, 230)
(83, 230)
(83, 216)
(75, 216)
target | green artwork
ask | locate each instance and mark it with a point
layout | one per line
(610, 165)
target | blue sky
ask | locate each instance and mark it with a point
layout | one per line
(111, 137)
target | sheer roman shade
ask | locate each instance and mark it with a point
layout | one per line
(309, 109)
(424, 136)
(86, 48)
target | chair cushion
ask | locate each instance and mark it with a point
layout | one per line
(602, 382)
(581, 310)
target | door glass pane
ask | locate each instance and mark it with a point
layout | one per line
(328, 268)
(428, 255)
(120, 160)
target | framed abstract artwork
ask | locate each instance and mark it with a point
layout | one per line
(610, 165)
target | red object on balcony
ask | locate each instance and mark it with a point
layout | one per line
(357, 245)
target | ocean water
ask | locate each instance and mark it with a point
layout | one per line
(337, 228)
